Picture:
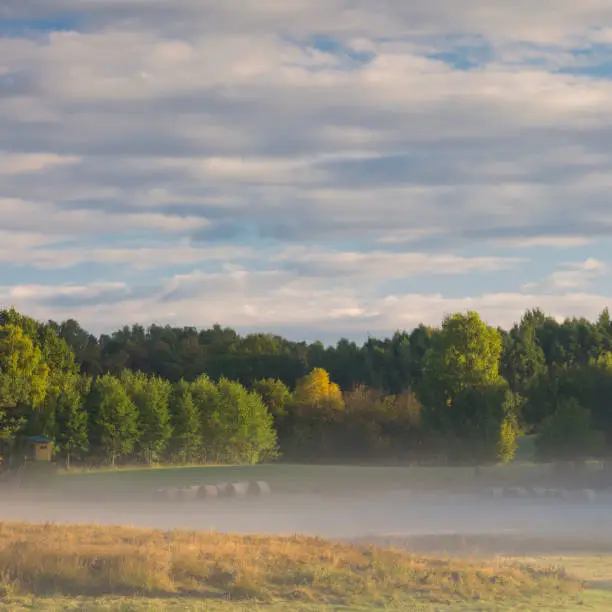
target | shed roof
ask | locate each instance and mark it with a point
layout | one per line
(38, 439)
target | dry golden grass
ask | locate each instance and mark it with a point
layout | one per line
(87, 560)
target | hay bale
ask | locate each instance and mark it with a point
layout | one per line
(159, 495)
(495, 492)
(569, 495)
(588, 495)
(555, 493)
(540, 492)
(223, 490)
(208, 492)
(238, 489)
(188, 494)
(518, 492)
(259, 488)
(171, 494)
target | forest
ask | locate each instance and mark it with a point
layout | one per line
(462, 392)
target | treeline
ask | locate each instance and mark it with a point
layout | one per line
(463, 391)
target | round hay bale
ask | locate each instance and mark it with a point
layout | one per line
(239, 489)
(159, 495)
(555, 493)
(259, 488)
(518, 492)
(208, 492)
(588, 495)
(223, 490)
(172, 494)
(539, 492)
(495, 492)
(188, 494)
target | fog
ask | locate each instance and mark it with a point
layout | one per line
(356, 516)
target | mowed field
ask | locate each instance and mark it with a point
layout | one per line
(139, 483)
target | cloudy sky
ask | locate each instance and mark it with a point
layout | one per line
(316, 168)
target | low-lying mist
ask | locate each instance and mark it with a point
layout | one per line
(377, 515)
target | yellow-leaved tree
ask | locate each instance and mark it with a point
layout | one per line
(316, 392)
(314, 414)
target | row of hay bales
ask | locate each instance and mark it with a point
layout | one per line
(588, 495)
(209, 492)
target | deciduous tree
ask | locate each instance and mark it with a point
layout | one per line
(113, 419)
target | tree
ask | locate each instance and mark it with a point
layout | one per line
(23, 373)
(465, 353)
(184, 418)
(275, 394)
(63, 372)
(113, 418)
(316, 392)
(244, 425)
(314, 414)
(523, 361)
(71, 419)
(476, 419)
(235, 423)
(568, 434)
(465, 399)
(508, 435)
(151, 396)
(205, 395)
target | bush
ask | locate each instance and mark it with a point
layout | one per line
(508, 434)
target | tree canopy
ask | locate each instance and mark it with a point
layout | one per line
(464, 390)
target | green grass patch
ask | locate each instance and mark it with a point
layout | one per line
(328, 479)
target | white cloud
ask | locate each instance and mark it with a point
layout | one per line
(20, 215)
(273, 301)
(32, 163)
(163, 126)
(381, 264)
(128, 257)
(573, 276)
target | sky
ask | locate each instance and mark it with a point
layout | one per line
(314, 168)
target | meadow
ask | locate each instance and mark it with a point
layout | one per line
(139, 482)
(52, 568)
(47, 567)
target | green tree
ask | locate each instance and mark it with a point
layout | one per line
(465, 353)
(113, 418)
(71, 419)
(23, 373)
(205, 394)
(63, 371)
(236, 425)
(523, 360)
(185, 420)
(568, 434)
(475, 419)
(151, 396)
(275, 394)
(245, 431)
(508, 435)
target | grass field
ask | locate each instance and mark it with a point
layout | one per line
(46, 567)
(329, 479)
